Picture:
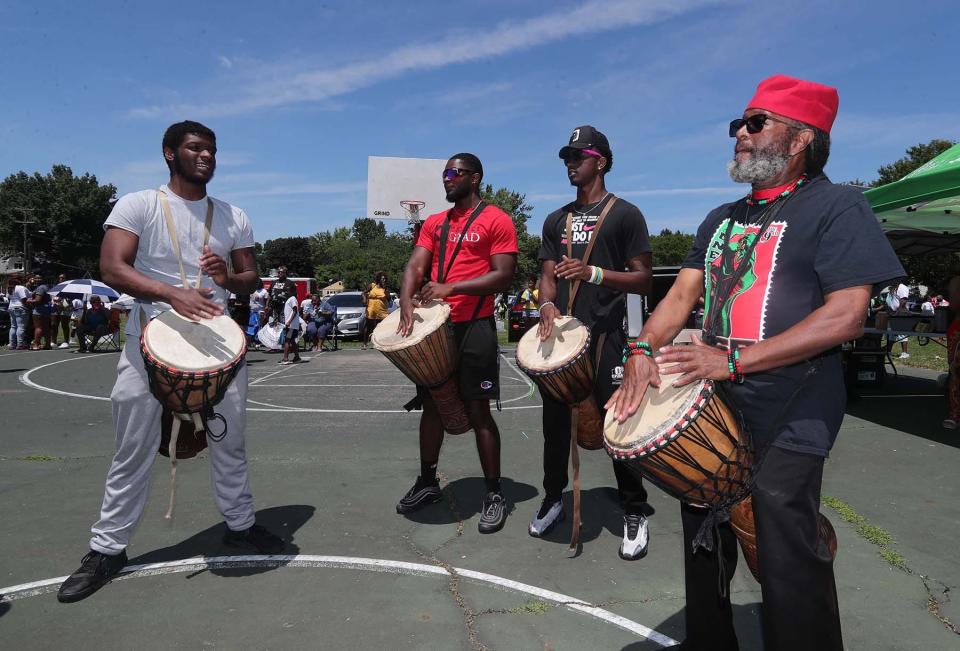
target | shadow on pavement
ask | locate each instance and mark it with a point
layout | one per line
(282, 521)
(746, 621)
(4, 608)
(919, 416)
(468, 494)
(12, 370)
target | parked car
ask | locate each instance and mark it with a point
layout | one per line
(349, 310)
(518, 319)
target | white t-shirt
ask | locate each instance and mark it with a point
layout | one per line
(17, 295)
(141, 214)
(258, 300)
(76, 308)
(290, 310)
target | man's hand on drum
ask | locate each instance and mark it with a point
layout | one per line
(572, 269)
(696, 362)
(214, 266)
(435, 291)
(548, 313)
(406, 316)
(195, 304)
(639, 373)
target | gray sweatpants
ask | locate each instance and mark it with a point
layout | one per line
(136, 415)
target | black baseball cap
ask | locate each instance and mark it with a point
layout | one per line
(586, 137)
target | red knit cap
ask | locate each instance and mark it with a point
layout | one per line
(805, 101)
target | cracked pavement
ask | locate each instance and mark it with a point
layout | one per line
(329, 482)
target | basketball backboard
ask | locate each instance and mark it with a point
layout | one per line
(392, 180)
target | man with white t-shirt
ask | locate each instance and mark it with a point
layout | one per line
(137, 257)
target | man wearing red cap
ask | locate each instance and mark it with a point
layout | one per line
(786, 274)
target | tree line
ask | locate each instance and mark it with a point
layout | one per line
(67, 214)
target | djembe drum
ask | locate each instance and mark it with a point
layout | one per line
(691, 444)
(428, 357)
(562, 368)
(189, 366)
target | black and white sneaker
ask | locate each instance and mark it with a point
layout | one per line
(420, 495)
(493, 513)
(635, 537)
(550, 513)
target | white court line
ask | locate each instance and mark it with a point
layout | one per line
(266, 407)
(35, 588)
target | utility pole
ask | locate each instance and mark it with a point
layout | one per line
(26, 240)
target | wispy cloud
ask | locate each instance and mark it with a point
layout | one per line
(289, 86)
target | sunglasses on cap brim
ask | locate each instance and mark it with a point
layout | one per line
(578, 155)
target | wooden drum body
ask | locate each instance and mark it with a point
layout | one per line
(428, 357)
(562, 368)
(689, 442)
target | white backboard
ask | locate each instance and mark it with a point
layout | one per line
(392, 180)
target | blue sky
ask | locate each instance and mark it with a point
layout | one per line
(300, 93)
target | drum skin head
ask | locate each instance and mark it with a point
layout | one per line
(660, 411)
(426, 319)
(564, 344)
(186, 345)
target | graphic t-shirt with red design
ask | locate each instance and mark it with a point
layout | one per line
(491, 233)
(825, 238)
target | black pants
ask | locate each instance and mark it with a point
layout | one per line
(556, 432)
(800, 608)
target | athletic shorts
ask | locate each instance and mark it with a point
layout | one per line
(479, 354)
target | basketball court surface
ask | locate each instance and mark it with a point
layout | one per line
(331, 451)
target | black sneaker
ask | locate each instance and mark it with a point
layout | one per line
(95, 571)
(257, 537)
(493, 513)
(421, 494)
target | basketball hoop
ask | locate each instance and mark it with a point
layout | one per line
(412, 208)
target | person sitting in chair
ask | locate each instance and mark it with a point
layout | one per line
(94, 322)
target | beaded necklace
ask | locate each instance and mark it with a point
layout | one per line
(786, 193)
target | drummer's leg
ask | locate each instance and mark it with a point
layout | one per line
(136, 417)
(709, 617)
(556, 447)
(488, 440)
(228, 458)
(431, 437)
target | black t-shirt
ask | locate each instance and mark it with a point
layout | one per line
(622, 237)
(280, 292)
(825, 238)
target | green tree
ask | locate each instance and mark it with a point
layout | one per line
(70, 209)
(293, 252)
(916, 156)
(515, 204)
(670, 247)
(368, 231)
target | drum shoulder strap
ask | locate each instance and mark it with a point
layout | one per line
(575, 286)
(175, 240)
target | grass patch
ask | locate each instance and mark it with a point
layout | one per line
(533, 607)
(39, 457)
(869, 532)
(931, 356)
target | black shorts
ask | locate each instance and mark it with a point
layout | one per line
(478, 355)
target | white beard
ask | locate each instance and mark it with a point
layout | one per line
(762, 164)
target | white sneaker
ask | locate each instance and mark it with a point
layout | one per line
(949, 424)
(64, 345)
(546, 518)
(635, 537)
(904, 356)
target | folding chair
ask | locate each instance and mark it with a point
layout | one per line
(110, 341)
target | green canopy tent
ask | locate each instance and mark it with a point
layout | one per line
(920, 213)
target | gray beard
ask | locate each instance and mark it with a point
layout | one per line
(762, 165)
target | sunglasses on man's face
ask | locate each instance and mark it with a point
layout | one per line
(452, 173)
(754, 123)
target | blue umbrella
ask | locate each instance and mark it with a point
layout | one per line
(84, 287)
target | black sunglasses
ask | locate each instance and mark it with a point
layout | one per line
(754, 123)
(455, 172)
(575, 156)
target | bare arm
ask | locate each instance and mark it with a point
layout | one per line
(663, 325)
(117, 254)
(502, 267)
(413, 275)
(638, 279)
(244, 278)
